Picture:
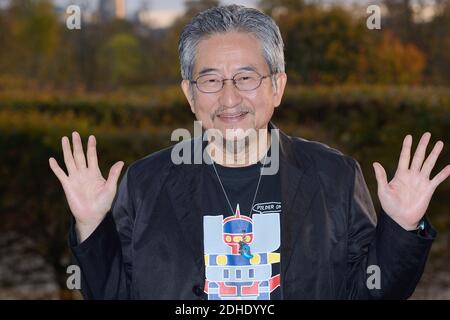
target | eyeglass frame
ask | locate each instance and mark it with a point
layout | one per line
(261, 78)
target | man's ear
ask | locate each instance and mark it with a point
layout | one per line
(281, 80)
(188, 93)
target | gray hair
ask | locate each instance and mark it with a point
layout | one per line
(229, 18)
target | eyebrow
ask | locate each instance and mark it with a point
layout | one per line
(207, 70)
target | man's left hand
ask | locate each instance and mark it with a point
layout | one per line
(407, 196)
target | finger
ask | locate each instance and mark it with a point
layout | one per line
(405, 154)
(429, 163)
(60, 174)
(440, 177)
(68, 157)
(114, 174)
(78, 153)
(380, 175)
(92, 153)
(419, 155)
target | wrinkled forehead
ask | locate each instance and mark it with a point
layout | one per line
(229, 53)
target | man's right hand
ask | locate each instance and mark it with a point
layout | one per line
(88, 194)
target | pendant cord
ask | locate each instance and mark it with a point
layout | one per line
(256, 191)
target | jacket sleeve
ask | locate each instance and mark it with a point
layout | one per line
(384, 248)
(104, 258)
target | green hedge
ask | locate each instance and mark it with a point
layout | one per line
(367, 123)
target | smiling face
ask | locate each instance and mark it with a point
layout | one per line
(225, 55)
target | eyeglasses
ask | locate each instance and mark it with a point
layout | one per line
(243, 81)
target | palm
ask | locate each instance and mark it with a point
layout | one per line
(88, 194)
(407, 196)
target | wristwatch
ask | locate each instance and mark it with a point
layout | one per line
(420, 230)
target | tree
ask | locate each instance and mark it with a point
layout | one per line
(321, 45)
(276, 7)
(33, 35)
(400, 19)
(435, 41)
(192, 7)
(390, 61)
(120, 59)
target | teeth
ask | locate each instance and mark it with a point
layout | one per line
(232, 115)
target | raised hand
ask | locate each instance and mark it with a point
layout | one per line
(88, 194)
(407, 196)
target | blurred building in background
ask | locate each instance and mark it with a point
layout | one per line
(108, 9)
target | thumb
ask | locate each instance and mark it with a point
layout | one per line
(114, 174)
(380, 175)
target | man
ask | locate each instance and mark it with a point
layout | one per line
(223, 229)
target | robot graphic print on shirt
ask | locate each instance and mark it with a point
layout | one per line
(239, 254)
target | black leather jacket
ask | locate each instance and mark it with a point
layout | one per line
(150, 245)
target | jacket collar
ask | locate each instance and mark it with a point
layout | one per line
(299, 185)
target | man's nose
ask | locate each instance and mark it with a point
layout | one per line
(229, 95)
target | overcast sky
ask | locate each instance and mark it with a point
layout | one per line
(163, 12)
(133, 5)
(177, 5)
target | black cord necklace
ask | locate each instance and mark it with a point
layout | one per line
(244, 247)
